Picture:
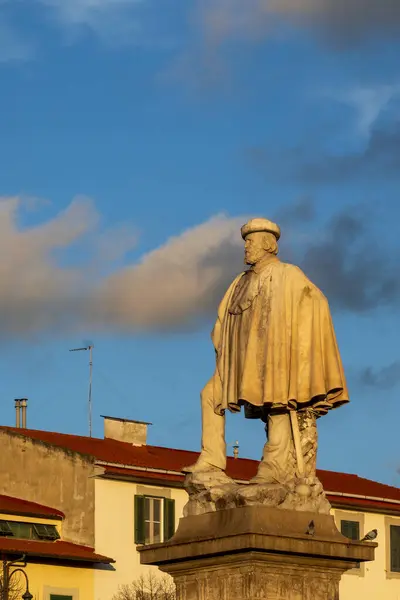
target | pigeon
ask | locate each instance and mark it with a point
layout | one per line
(371, 535)
(310, 528)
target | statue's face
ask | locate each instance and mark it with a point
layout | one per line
(254, 248)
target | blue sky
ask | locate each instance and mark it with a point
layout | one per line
(136, 138)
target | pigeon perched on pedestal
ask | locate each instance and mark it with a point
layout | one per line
(311, 528)
(371, 535)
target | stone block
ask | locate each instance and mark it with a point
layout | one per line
(257, 553)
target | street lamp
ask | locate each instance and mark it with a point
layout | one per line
(9, 574)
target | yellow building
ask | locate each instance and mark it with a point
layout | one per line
(31, 542)
(119, 492)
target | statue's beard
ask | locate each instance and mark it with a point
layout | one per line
(253, 258)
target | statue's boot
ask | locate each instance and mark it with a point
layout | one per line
(201, 466)
(213, 453)
(265, 474)
(276, 465)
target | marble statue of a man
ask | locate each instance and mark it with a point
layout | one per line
(276, 352)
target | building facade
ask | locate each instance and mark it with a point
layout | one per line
(31, 540)
(135, 495)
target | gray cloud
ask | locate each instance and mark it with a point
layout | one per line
(339, 259)
(384, 378)
(299, 212)
(336, 255)
(339, 21)
(380, 157)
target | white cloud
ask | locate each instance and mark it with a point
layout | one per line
(41, 291)
(369, 103)
(115, 21)
(36, 292)
(176, 283)
(12, 46)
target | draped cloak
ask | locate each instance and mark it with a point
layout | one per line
(275, 345)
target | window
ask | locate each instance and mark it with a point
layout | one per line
(5, 529)
(350, 529)
(21, 530)
(28, 531)
(46, 532)
(154, 519)
(395, 548)
(59, 593)
(351, 525)
(392, 547)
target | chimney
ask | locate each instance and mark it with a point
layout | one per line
(24, 404)
(125, 430)
(20, 412)
(236, 450)
(17, 413)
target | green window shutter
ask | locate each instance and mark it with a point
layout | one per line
(139, 520)
(350, 529)
(395, 548)
(58, 597)
(169, 518)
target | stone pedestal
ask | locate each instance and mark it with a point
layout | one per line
(257, 553)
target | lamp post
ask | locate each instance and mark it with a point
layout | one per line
(8, 574)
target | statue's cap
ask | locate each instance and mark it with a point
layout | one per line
(258, 224)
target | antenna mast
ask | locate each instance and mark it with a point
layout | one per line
(90, 348)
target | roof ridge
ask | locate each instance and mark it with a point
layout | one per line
(25, 500)
(17, 505)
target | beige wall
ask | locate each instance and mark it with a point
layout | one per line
(114, 525)
(46, 579)
(58, 478)
(371, 582)
(115, 535)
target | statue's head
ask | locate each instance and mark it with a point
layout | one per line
(260, 238)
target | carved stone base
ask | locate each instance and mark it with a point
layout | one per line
(257, 553)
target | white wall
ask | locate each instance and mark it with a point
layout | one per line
(115, 535)
(371, 581)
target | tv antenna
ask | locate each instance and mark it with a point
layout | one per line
(90, 348)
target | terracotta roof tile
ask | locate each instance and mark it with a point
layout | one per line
(18, 506)
(56, 550)
(122, 454)
(364, 504)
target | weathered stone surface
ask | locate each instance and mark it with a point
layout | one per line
(315, 501)
(309, 441)
(210, 491)
(253, 580)
(197, 483)
(268, 494)
(257, 553)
